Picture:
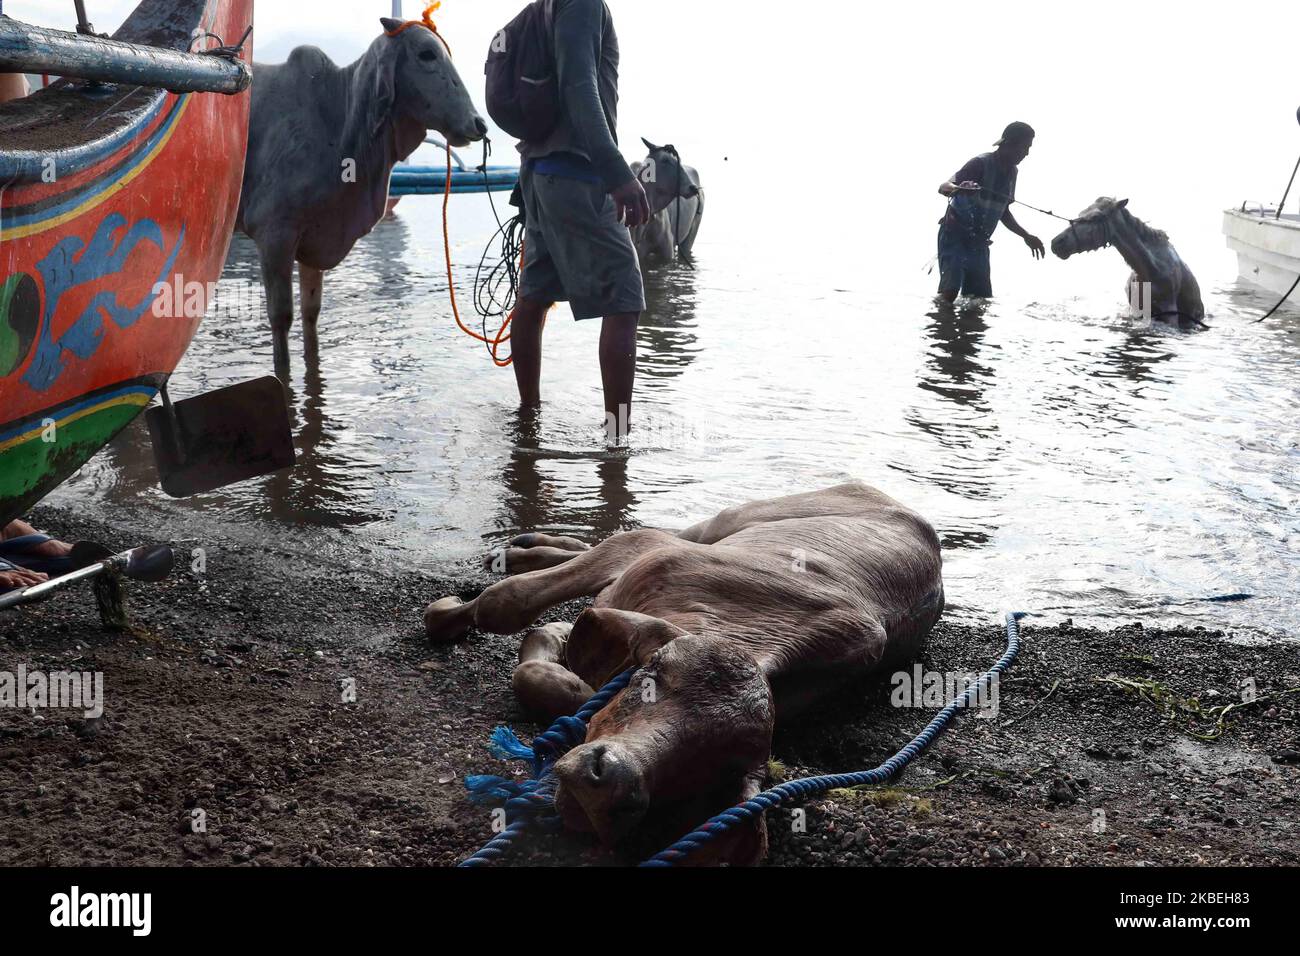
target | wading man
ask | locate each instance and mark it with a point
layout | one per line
(979, 197)
(580, 198)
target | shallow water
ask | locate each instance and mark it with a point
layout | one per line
(1075, 464)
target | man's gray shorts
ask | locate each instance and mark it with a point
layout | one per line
(575, 249)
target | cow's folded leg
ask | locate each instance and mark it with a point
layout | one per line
(513, 604)
(545, 643)
(542, 684)
(532, 552)
(547, 691)
(520, 560)
(535, 539)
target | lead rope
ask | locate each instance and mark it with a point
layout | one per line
(494, 343)
(1280, 301)
(531, 803)
(502, 335)
(797, 791)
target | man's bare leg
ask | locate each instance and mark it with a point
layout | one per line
(13, 86)
(20, 577)
(50, 549)
(526, 348)
(618, 369)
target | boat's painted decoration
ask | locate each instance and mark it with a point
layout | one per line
(82, 347)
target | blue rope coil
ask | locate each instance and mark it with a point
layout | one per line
(531, 802)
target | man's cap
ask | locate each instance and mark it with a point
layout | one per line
(1016, 132)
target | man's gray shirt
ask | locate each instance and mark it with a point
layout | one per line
(586, 57)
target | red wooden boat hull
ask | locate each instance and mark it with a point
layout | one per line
(86, 338)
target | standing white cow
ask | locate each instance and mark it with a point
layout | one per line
(322, 143)
(676, 205)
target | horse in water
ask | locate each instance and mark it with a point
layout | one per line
(1161, 285)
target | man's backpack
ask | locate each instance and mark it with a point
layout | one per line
(523, 95)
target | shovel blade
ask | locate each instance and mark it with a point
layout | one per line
(222, 437)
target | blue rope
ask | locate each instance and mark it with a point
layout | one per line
(531, 803)
(797, 791)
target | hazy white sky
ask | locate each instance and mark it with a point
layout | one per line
(1172, 104)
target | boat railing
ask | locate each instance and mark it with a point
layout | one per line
(1254, 207)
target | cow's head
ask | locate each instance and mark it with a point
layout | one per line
(697, 716)
(665, 178)
(416, 80)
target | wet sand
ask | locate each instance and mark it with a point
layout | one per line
(227, 698)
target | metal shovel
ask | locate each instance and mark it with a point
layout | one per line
(221, 437)
(149, 563)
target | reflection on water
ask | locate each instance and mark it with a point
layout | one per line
(561, 493)
(1074, 464)
(666, 337)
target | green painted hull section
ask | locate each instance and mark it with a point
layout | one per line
(31, 470)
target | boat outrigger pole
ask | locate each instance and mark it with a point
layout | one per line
(83, 55)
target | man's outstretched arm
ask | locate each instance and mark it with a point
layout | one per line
(1033, 242)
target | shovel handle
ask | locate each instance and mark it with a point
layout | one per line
(37, 591)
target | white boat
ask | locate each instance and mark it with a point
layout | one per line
(1267, 243)
(1267, 247)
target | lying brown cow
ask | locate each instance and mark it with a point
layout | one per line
(736, 622)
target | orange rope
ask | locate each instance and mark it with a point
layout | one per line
(426, 22)
(493, 344)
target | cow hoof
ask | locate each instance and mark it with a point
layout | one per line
(547, 690)
(447, 619)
